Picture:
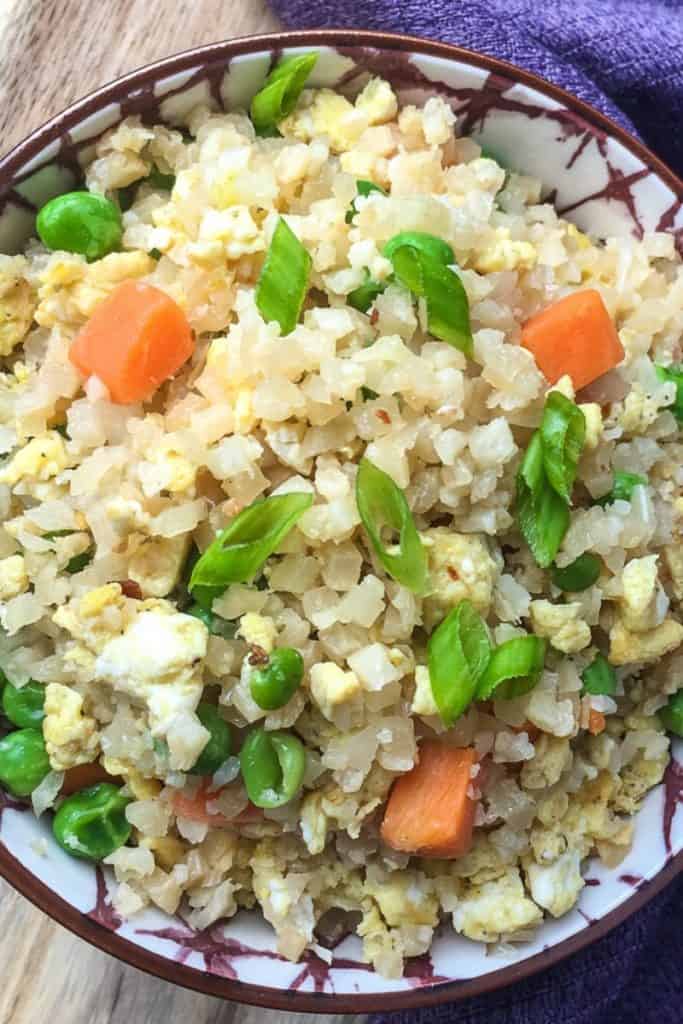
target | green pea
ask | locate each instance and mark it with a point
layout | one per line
(92, 823)
(82, 222)
(23, 761)
(24, 706)
(672, 715)
(273, 765)
(275, 684)
(220, 744)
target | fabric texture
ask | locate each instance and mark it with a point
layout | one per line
(623, 56)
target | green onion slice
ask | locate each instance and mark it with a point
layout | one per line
(579, 575)
(157, 179)
(79, 562)
(563, 432)
(514, 669)
(674, 374)
(382, 504)
(363, 188)
(280, 92)
(599, 678)
(240, 550)
(458, 654)
(420, 263)
(672, 715)
(362, 297)
(283, 283)
(542, 515)
(623, 485)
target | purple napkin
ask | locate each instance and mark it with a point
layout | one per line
(623, 56)
(626, 58)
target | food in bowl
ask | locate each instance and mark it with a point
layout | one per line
(341, 547)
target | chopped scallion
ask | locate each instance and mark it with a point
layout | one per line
(280, 92)
(283, 283)
(514, 669)
(458, 654)
(582, 573)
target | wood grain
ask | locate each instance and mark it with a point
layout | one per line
(51, 53)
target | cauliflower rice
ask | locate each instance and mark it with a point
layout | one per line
(255, 414)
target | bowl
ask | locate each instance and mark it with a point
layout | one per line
(598, 176)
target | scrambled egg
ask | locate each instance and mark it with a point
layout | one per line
(594, 425)
(17, 303)
(626, 646)
(13, 577)
(258, 630)
(637, 779)
(403, 897)
(556, 887)
(331, 688)
(495, 908)
(41, 459)
(503, 253)
(157, 564)
(325, 112)
(71, 737)
(561, 624)
(460, 567)
(552, 756)
(640, 410)
(673, 558)
(70, 289)
(644, 603)
(423, 698)
(166, 469)
(168, 851)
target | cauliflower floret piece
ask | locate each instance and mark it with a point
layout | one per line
(499, 907)
(332, 689)
(17, 303)
(71, 737)
(556, 887)
(461, 567)
(552, 757)
(378, 102)
(594, 425)
(157, 564)
(504, 253)
(644, 603)
(40, 459)
(314, 822)
(561, 624)
(640, 410)
(13, 577)
(423, 699)
(626, 646)
(258, 631)
(438, 120)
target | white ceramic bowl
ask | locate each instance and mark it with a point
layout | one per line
(607, 183)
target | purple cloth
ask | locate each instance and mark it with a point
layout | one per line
(623, 56)
(626, 58)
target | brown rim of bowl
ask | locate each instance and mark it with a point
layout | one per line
(45, 898)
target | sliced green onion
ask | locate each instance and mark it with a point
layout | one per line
(579, 575)
(240, 550)
(216, 624)
(362, 297)
(156, 254)
(671, 716)
(367, 394)
(542, 515)
(457, 655)
(283, 283)
(280, 92)
(514, 669)
(382, 504)
(599, 678)
(79, 562)
(622, 487)
(563, 432)
(363, 188)
(675, 375)
(419, 262)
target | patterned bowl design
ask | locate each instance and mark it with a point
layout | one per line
(603, 180)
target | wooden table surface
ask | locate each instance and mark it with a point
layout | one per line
(51, 53)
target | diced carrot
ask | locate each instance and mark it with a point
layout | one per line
(136, 338)
(194, 808)
(574, 336)
(429, 811)
(596, 722)
(83, 775)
